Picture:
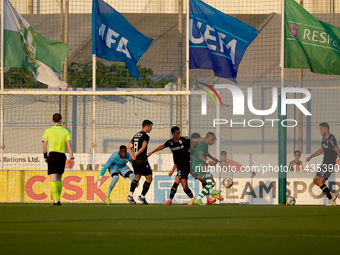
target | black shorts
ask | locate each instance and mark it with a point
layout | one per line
(183, 171)
(56, 163)
(141, 167)
(326, 170)
(193, 173)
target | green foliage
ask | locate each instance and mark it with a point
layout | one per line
(16, 78)
(113, 76)
(80, 76)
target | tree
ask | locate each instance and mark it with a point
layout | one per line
(16, 78)
(113, 76)
(80, 76)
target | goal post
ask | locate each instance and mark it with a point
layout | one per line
(282, 161)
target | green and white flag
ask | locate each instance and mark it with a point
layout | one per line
(26, 49)
(309, 42)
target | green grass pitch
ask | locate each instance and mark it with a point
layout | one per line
(176, 229)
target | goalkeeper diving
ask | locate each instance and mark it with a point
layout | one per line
(116, 165)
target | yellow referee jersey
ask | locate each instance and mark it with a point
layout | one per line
(56, 137)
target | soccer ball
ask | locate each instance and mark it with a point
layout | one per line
(290, 201)
(227, 182)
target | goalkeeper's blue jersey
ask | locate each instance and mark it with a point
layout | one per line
(116, 161)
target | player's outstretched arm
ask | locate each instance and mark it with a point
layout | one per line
(317, 153)
(213, 159)
(108, 163)
(159, 148)
(99, 182)
(202, 158)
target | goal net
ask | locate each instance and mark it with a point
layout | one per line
(101, 121)
(98, 126)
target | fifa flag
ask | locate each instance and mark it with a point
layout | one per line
(310, 43)
(114, 39)
(217, 41)
(26, 49)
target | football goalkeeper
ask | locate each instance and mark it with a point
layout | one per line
(116, 165)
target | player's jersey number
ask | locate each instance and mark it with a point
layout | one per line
(135, 147)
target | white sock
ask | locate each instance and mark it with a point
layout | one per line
(142, 196)
(131, 194)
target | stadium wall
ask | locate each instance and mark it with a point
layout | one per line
(26, 180)
(158, 161)
(81, 187)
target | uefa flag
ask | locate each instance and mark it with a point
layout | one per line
(26, 49)
(309, 42)
(216, 40)
(114, 39)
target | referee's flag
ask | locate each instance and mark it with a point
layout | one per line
(115, 39)
(216, 40)
(310, 43)
(26, 49)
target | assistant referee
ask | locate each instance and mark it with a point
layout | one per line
(56, 137)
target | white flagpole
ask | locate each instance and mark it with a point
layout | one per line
(187, 47)
(187, 65)
(94, 59)
(2, 87)
(218, 142)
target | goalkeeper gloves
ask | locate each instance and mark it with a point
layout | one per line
(99, 181)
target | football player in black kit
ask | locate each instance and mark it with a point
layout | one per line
(138, 151)
(330, 151)
(180, 148)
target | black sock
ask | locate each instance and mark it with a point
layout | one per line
(189, 193)
(146, 187)
(326, 190)
(133, 185)
(173, 190)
